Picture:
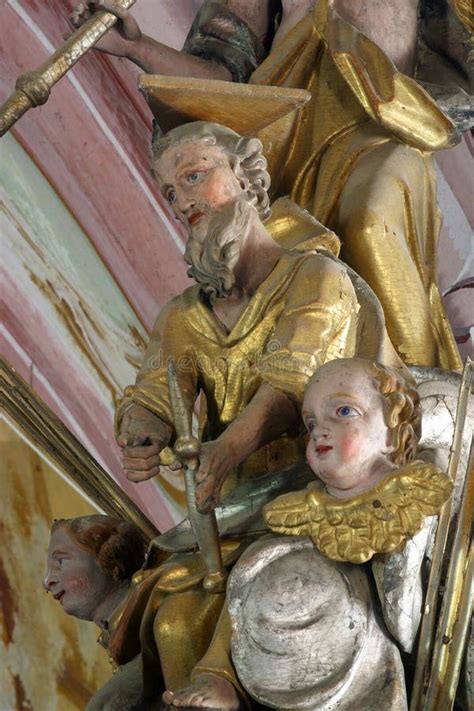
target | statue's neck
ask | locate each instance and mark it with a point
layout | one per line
(259, 254)
(111, 603)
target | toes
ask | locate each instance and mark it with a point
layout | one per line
(168, 697)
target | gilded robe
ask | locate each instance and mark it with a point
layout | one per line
(358, 157)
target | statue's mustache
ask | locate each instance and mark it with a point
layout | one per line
(212, 259)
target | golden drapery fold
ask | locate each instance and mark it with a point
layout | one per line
(358, 157)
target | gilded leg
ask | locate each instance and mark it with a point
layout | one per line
(389, 222)
(214, 683)
(183, 630)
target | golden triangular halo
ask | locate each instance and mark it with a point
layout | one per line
(245, 108)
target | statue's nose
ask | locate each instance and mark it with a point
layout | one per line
(48, 580)
(319, 431)
(184, 202)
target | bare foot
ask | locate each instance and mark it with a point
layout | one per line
(209, 691)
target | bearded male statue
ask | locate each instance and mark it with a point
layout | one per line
(272, 302)
(264, 314)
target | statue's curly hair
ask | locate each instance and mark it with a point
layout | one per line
(245, 156)
(402, 413)
(118, 546)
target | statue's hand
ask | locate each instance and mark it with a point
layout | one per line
(215, 462)
(142, 437)
(121, 38)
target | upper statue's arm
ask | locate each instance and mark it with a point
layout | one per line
(393, 26)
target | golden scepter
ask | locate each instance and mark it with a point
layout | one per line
(187, 450)
(33, 87)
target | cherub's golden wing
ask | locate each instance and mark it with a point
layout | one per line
(289, 514)
(378, 521)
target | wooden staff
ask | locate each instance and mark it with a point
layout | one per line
(203, 525)
(33, 88)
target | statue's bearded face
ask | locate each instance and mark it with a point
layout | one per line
(74, 576)
(196, 178)
(213, 259)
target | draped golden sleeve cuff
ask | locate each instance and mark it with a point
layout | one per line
(219, 35)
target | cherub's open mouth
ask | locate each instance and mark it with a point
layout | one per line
(323, 449)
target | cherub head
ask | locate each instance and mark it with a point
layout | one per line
(91, 560)
(363, 420)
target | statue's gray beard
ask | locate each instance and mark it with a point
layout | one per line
(213, 261)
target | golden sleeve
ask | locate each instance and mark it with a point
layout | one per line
(169, 339)
(393, 100)
(314, 326)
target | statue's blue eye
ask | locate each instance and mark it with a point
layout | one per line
(194, 177)
(346, 411)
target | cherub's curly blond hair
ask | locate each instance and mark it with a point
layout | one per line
(402, 412)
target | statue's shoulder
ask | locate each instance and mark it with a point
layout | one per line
(182, 303)
(175, 314)
(319, 267)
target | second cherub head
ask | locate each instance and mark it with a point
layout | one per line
(363, 420)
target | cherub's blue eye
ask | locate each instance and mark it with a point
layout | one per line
(310, 426)
(171, 196)
(346, 411)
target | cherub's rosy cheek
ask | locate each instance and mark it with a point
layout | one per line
(350, 446)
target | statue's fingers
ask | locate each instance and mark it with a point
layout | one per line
(122, 437)
(206, 496)
(79, 15)
(130, 28)
(143, 475)
(128, 439)
(136, 450)
(201, 475)
(141, 464)
(175, 466)
(208, 505)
